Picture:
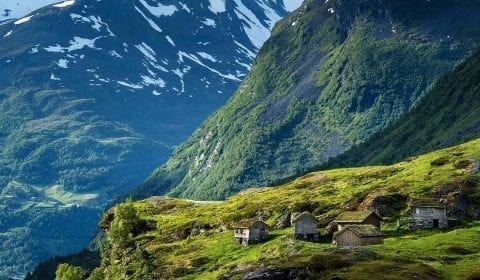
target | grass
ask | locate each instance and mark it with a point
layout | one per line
(191, 240)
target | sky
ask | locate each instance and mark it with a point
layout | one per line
(20, 8)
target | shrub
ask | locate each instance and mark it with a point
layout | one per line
(69, 272)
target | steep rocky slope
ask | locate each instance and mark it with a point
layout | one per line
(332, 74)
(95, 94)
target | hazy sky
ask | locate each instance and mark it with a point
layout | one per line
(20, 8)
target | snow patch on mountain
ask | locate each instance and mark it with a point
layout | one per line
(256, 31)
(129, 85)
(147, 51)
(23, 20)
(76, 44)
(64, 4)
(217, 6)
(192, 57)
(149, 20)
(63, 63)
(160, 10)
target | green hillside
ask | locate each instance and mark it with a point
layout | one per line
(332, 74)
(449, 114)
(166, 238)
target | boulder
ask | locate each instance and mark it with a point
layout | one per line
(284, 221)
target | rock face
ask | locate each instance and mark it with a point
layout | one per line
(386, 205)
(284, 221)
(475, 167)
(461, 197)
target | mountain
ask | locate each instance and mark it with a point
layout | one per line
(166, 238)
(447, 115)
(95, 94)
(332, 74)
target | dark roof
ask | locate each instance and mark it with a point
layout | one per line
(305, 214)
(362, 230)
(426, 203)
(355, 216)
(248, 223)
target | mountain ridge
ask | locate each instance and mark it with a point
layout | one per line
(332, 74)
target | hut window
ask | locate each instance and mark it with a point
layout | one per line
(417, 210)
(430, 211)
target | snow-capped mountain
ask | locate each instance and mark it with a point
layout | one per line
(95, 93)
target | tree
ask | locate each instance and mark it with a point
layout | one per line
(69, 272)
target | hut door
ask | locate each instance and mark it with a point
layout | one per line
(262, 233)
(435, 223)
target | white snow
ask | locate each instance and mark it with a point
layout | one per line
(185, 7)
(64, 4)
(151, 22)
(62, 63)
(245, 50)
(52, 77)
(115, 54)
(160, 10)
(96, 22)
(125, 84)
(33, 50)
(217, 6)
(56, 48)
(147, 80)
(8, 33)
(207, 56)
(195, 59)
(147, 51)
(256, 31)
(76, 44)
(170, 40)
(210, 22)
(79, 43)
(23, 20)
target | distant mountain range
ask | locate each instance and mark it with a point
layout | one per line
(95, 94)
(333, 74)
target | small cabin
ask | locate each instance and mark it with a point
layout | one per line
(250, 231)
(358, 218)
(305, 226)
(358, 235)
(427, 216)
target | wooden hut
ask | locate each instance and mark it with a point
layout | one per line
(305, 226)
(358, 218)
(427, 216)
(250, 231)
(358, 235)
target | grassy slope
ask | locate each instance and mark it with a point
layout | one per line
(173, 251)
(448, 115)
(319, 86)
